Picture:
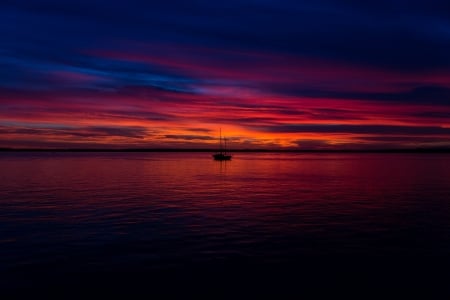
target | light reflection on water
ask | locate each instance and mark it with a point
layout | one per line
(102, 210)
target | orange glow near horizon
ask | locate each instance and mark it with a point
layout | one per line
(246, 122)
(239, 101)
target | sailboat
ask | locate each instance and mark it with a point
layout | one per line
(222, 154)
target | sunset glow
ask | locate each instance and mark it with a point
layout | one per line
(92, 75)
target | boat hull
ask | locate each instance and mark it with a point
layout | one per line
(221, 156)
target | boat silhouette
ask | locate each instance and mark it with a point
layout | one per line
(222, 154)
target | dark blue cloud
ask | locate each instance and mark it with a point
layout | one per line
(407, 35)
(421, 94)
(39, 38)
(361, 129)
(434, 114)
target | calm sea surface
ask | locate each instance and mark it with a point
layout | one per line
(67, 216)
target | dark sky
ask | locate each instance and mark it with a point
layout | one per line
(271, 74)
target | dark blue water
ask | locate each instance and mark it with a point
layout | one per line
(144, 221)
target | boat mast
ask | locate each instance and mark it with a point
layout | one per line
(220, 139)
(225, 146)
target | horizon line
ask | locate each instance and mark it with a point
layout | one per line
(388, 150)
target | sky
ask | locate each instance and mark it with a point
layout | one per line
(270, 74)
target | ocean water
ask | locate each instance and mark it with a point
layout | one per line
(272, 222)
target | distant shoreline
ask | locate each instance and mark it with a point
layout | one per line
(427, 150)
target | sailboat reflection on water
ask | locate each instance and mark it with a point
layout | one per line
(222, 154)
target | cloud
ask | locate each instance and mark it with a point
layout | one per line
(402, 139)
(387, 34)
(445, 115)
(204, 130)
(422, 94)
(133, 132)
(188, 137)
(360, 129)
(313, 144)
